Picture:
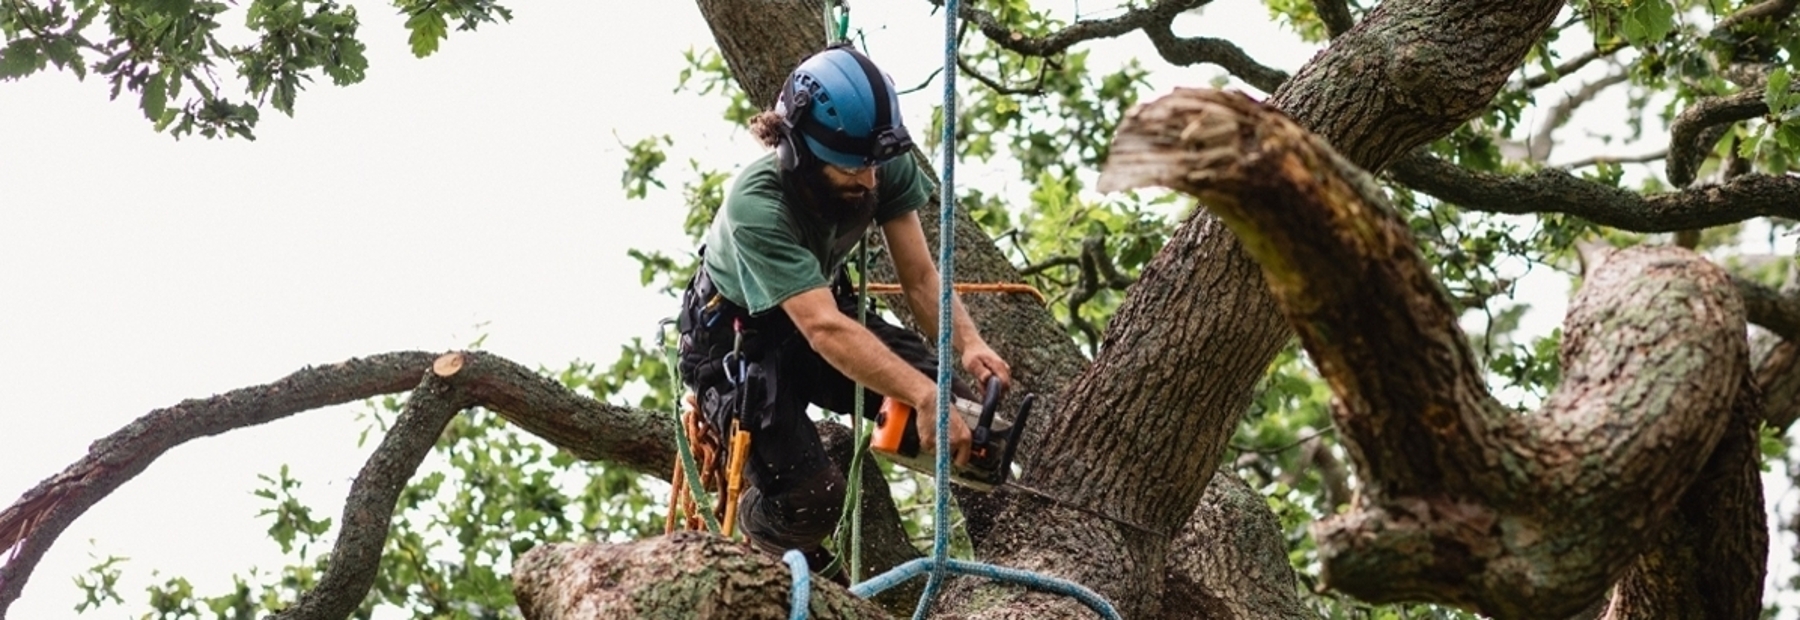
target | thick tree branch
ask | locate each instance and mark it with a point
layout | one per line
(368, 511)
(1775, 10)
(1770, 308)
(686, 575)
(589, 429)
(1551, 190)
(1160, 11)
(1653, 355)
(1196, 50)
(1230, 561)
(32, 524)
(1427, 68)
(1719, 526)
(1336, 15)
(1193, 337)
(1696, 130)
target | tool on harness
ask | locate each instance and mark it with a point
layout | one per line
(739, 454)
(896, 438)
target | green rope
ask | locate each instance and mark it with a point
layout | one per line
(859, 431)
(688, 467)
(836, 19)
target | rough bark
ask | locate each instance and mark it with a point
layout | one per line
(1464, 502)
(1709, 561)
(588, 429)
(1223, 566)
(1411, 72)
(683, 575)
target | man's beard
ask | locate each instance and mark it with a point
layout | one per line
(832, 202)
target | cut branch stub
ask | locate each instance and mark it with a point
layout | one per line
(684, 574)
(1464, 502)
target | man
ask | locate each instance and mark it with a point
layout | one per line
(769, 322)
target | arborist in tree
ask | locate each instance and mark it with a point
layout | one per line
(769, 321)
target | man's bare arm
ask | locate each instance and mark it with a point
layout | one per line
(855, 351)
(919, 279)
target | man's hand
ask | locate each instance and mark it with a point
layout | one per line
(984, 363)
(961, 439)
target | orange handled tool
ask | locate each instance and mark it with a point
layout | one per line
(896, 438)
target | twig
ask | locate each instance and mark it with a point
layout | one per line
(1287, 446)
(1652, 156)
(1543, 141)
(1570, 66)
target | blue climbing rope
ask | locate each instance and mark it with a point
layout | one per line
(939, 564)
(798, 601)
(940, 546)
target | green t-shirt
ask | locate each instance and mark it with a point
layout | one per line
(764, 247)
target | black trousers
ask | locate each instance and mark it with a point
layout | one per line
(796, 495)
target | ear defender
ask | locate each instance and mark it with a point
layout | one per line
(792, 105)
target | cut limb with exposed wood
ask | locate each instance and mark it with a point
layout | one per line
(683, 575)
(1465, 501)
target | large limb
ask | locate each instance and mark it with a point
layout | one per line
(589, 429)
(1464, 502)
(32, 524)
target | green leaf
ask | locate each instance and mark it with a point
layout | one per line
(155, 98)
(20, 58)
(1777, 94)
(428, 28)
(1649, 21)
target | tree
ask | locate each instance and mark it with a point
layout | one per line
(1633, 487)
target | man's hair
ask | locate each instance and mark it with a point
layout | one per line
(767, 127)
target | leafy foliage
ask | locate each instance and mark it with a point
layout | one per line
(157, 49)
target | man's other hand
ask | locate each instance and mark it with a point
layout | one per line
(982, 362)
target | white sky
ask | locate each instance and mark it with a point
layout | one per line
(475, 191)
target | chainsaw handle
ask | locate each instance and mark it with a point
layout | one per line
(984, 426)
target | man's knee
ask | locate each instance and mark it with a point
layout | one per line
(798, 518)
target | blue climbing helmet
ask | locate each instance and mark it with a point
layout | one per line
(839, 108)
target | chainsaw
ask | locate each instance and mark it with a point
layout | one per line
(896, 438)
